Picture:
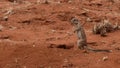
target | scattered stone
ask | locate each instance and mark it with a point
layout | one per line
(53, 31)
(16, 1)
(12, 28)
(38, 2)
(24, 66)
(85, 51)
(34, 45)
(88, 20)
(84, 13)
(103, 42)
(116, 26)
(105, 58)
(58, 38)
(67, 64)
(5, 18)
(7, 14)
(1, 27)
(69, 33)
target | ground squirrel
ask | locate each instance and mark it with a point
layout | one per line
(82, 40)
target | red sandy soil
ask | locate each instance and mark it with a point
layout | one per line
(32, 35)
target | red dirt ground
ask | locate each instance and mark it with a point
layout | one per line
(26, 38)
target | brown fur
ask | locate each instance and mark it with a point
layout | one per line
(82, 40)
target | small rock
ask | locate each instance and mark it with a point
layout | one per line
(67, 64)
(85, 51)
(1, 27)
(12, 28)
(70, 1)
(88, 20)
(33, 45)
(5, 18)
(105, 58)
(58, 38)
(24, 66)
(38, 1)
(53, 31)
(69, 33)
(103, 42)
(119, 27)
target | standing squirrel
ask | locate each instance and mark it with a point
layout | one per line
(82, 40)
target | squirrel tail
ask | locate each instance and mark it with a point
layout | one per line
(97, 50)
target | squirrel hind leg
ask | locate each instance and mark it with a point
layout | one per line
(81, 45)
